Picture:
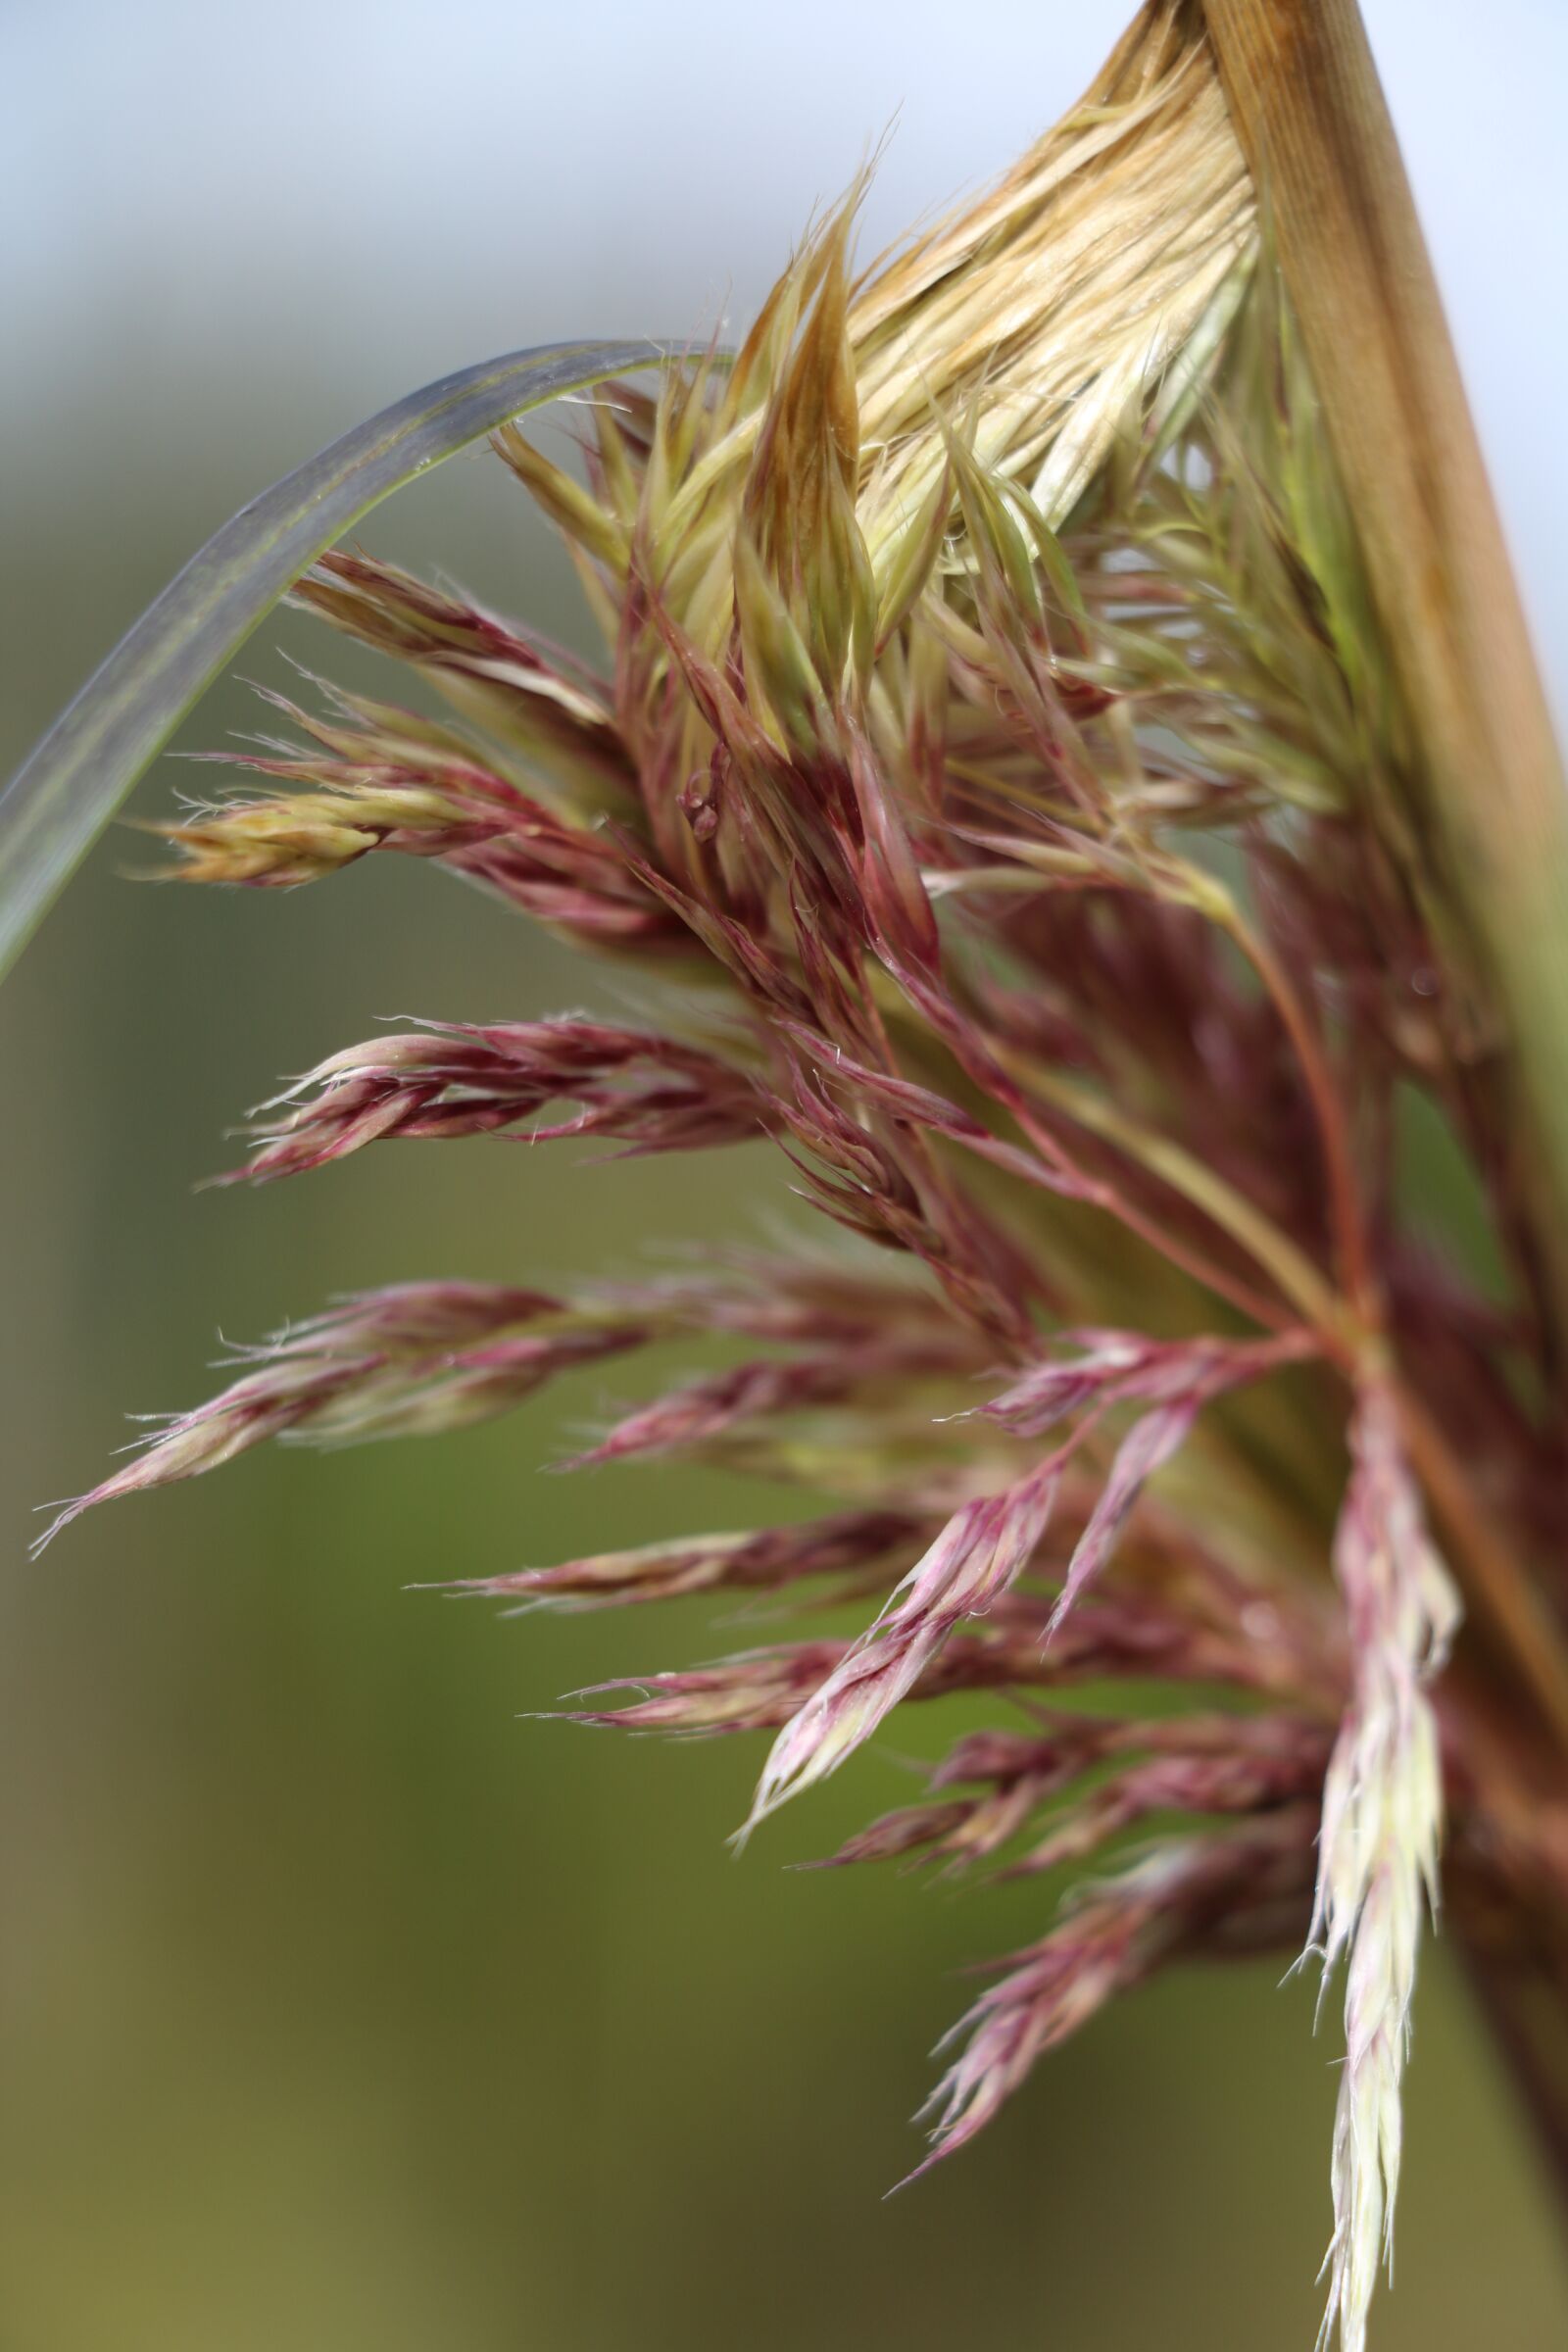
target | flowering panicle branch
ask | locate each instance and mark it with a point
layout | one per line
(1117, 1368)
(694, 1415)
(1177, 1378)
(762, 1559)
(1378, 1844)
(994, 740)
(1127, 1640)
(648, 1091)
(533, 698)
(746, 1693)
(370, 776)
(420, 1358)
(1171, 1901)
(1189, 1764)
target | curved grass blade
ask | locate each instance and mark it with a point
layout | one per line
(66, 791)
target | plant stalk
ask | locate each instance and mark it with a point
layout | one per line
(1312, 122)
(1315, 127)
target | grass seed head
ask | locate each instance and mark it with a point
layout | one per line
(994, 741)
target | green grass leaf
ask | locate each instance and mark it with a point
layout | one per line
(68, 789)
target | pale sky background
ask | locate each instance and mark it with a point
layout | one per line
(344, 199)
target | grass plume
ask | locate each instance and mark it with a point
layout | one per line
(999, 779)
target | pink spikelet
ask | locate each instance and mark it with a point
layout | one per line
(966, 1571)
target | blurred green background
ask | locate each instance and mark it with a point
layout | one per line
(339, 2006)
